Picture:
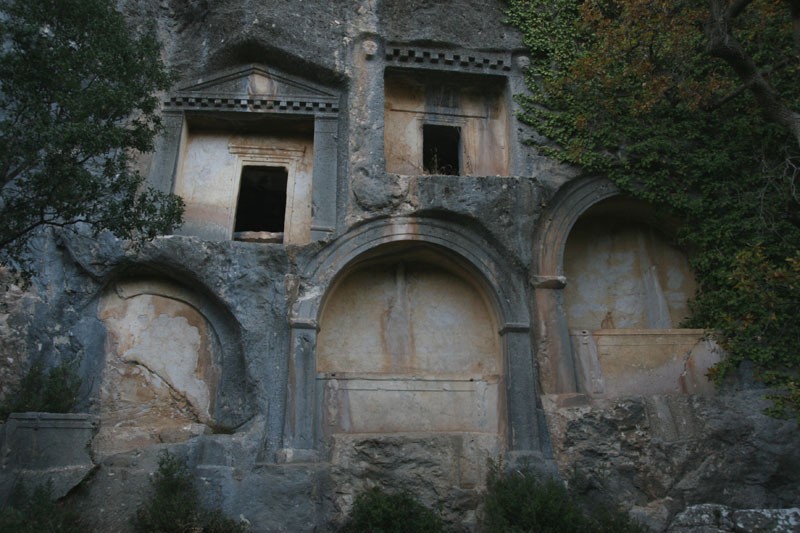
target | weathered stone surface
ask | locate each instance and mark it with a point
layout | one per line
(209, 181)
(38, 449)
(613, 363)
(16, 307)
(443, 471)
(227, 476)
(471, 111)
(376, 194)
(162, 368)
(270, 497)
(623, 274)
(658, 454)
(473, 24)
(431, 364)
(712, 518)
(201, 35)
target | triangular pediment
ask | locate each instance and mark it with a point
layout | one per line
(256, 81)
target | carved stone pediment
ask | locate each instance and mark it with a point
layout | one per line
(254, 88)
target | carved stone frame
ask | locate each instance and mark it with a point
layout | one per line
(229, 92)
(503, 284)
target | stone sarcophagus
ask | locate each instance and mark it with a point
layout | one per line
(45, 449)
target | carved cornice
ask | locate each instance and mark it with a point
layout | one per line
(255, 104)
(254, 88)
(447, 59)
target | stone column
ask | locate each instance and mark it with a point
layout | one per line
(369, 184)
(323, 210)
(521, 388)
(552, 332)
(299, 435)
(165, 161)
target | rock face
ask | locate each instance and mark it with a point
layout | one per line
(379, 284)
(710, 518)
(660, 453)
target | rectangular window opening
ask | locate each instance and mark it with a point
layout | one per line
(261, 209)
(441, 149)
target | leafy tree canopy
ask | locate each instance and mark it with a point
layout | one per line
(76, 102)
(693, 106)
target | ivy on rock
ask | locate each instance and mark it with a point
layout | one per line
(694, 107)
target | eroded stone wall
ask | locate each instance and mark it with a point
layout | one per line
(15, 313)
(660, 453)
(161, 372)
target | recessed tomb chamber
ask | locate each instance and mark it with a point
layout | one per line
(626, 297)
(248, 180)
(445, 124)
(408, 343)
(172, 368)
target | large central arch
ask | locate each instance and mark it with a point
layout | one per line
(456, 250)
(408, 342)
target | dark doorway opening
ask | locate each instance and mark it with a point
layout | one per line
(441, 147)
(262, 199)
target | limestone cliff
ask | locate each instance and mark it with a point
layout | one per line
(379, 284)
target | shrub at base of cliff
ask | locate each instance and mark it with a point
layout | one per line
(379, 511)
(174, 506)
(53, 390)
(519, 501)
(35, 512)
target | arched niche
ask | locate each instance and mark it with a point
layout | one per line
(611, 293)
(172, 366)
(409, 342)
(624, 271)
(442, 255)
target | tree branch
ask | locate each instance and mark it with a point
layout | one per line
(742, 88)
(736, 8)
(722, 44)
(795, 12)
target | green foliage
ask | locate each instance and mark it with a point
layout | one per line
(76, 101)
(36, 512)
(376, 511)
(638, 91)
(518, 502)
(174, 506)
(53, 390)
(766, 331)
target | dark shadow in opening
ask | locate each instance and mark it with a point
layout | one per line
(441, 146)
(262, 199)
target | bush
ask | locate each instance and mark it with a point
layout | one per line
(378, 511)
(53, 390)
(174, 505)
(36, 512)
(520, 501)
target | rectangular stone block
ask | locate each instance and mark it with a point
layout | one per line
(646, 361)
(41, 448)
(386, 405)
